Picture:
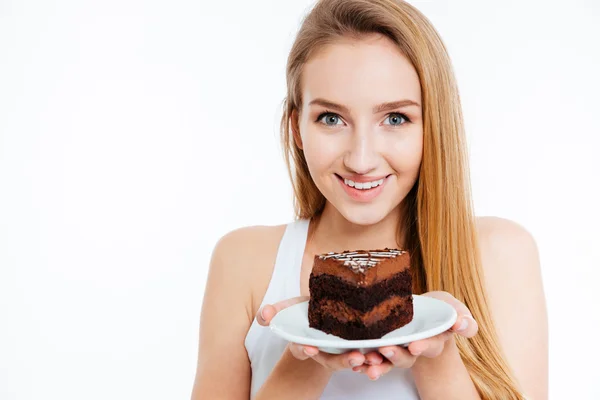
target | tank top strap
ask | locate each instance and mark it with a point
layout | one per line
(290, 255)
(285, 278)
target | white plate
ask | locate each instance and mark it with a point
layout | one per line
(431, 317)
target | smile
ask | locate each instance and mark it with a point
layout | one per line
(363, 192)
(363, 185)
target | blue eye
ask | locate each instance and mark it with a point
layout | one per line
(397, 119)
(331, 119)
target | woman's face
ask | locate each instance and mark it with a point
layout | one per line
(361, 126)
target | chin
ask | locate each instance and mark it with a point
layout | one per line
(364, 214)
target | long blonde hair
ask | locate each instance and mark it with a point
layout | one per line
(438, 221)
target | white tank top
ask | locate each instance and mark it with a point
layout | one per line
(265, 348)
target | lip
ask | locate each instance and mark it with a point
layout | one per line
(362, 178)
(362, 195)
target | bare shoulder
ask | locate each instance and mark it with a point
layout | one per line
(510, 260)
(249, 236)
(517, 303)
(248, 241)
(496, 234)
(240, 263)
(247, 254)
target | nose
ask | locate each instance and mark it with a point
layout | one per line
(361, 156)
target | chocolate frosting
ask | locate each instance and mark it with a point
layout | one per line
(362, 267)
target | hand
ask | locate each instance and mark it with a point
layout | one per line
(334, 362)
(397, 356)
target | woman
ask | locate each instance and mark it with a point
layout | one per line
(372, 97)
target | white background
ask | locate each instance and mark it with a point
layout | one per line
(133, 134)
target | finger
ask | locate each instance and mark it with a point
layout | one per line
(338, 362)
(434, 348)
(458, 305)
(268, 311)
(297, 351)
(430, 347)
(398, 356)
(265, 314)
(373, 358)
(375, 372)
(466, 326)
(302, 352)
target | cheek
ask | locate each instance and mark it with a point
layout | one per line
(406, 156)
(319, 152)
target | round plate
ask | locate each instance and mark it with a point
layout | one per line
(431, 317)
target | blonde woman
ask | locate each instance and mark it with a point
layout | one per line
(372, 98)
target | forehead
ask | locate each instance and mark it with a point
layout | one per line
(360, 72)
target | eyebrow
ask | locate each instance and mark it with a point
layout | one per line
(377, 109)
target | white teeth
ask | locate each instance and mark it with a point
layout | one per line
(363, 185)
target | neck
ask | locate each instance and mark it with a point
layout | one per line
(330, 231)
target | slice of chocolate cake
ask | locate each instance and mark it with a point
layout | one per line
(360, 294)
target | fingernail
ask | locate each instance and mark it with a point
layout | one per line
(416, 353)
(375, 377)
(306, 351)
(389, 354)
(463, 324)
(354, 363)
(262, 315)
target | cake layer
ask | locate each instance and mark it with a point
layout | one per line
(361, 298)
(362, 267)
(357, 330)
(344, 313)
